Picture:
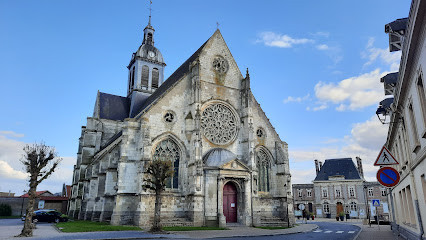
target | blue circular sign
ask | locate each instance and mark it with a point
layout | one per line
(388, 176)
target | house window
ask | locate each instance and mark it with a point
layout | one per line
(351, 191)
(421, 92)
(338, 195)
(326, 207)
(353, 206)
(309, 192)
(299, 192)
(155, 77)
(145, 76)
(263, 168)
(324, 193)
(370, 192)
(167, 150)
(383, 191)
(413, 126)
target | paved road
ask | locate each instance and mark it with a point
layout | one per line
(326, 230)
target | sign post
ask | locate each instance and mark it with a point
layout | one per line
(376, 203)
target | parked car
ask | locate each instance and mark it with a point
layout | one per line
(48, 215)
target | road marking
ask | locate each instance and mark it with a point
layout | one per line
(328, 231)
(318, 231)
(351, 232)
(339, 232)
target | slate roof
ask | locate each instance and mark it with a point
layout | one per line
(390, 78)
(397, 25)
(218, 157)
(338, 167)
(169, 83)
(113, 107)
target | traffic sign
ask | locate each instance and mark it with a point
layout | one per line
(302, 207)
(385, 158)
(376, 202)
(388, 176)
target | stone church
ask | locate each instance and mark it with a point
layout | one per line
(230, 165)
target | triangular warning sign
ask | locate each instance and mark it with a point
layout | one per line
(385, 158)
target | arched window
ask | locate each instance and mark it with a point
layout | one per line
(155, 77)
(353, 206)
(145, 76)
(326, 207)
(263, 168)
(132, 80)
(167, 150)
(149, 38)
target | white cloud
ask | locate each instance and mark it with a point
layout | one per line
(6, 171)
(296, 99)
(353, 93)
(12, 134)
(365, 141)
(389, 58)
(321, 34)
(12, 170)
(272, 39)
(323, 47)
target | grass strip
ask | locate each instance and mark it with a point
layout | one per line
(88, 226)
(192, 228)
(9, 217)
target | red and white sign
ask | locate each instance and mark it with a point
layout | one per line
(385, 158)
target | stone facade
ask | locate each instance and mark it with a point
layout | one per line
(340, 186)
(206, 120)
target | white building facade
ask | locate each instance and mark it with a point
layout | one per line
(406, 107)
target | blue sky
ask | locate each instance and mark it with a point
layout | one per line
(315, 69)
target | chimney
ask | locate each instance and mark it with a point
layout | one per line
(320, 165)
(316, 166)
(359, 164)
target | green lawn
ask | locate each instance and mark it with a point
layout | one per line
(272, 228)
(192, 228)
(9, 217)
(87, 226)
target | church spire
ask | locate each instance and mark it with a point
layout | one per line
(148, 32)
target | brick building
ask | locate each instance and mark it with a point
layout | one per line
(230, 165)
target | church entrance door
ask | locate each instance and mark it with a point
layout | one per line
(230, 202)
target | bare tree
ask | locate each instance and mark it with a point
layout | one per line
(40, 162)
(158, 172)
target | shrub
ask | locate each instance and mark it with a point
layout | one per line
(5, 210)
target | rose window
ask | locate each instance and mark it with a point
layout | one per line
(220, 64)
(219, 124)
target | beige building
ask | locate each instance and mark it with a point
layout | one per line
(405, 112)
(339, 186)
(230, 165)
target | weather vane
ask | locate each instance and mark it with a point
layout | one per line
(217, 25)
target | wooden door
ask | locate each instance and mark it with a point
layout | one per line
(230, 202)
(339, 208)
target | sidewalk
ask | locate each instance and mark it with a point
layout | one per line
(244, 231)
(374, 233)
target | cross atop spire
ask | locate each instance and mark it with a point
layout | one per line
(150, 9)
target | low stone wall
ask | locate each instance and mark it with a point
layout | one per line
(19, 205)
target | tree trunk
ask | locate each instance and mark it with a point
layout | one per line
(27, 231)
(156, 226)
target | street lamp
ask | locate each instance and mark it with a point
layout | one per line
(367, 208)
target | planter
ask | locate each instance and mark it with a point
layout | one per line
(307, 217)
(313, 217)
(328, 215)
(348, 216)
(342, 218)
(337, 218)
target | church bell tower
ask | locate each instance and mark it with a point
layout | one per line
(146, 67)
(146, 70)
